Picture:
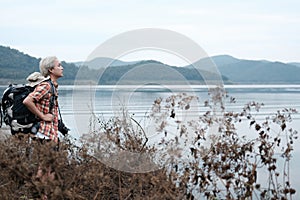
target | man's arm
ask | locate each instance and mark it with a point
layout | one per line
(29, 103)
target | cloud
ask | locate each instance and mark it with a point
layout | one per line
(220, 27)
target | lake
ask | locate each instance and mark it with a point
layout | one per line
(78, 103)
(104, 101)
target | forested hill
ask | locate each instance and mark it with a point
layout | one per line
(15, 66)
(244, 71)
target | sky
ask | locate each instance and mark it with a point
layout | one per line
(72, 29)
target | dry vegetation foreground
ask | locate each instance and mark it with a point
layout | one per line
(228, 168)
(77, 175)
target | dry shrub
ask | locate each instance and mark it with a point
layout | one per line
(215, 160)
(204, 158)
(207, 157)
(77, 175)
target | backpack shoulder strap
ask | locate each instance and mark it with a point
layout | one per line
(1, 116)
(52, 98)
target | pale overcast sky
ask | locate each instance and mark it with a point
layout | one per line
(72, 29)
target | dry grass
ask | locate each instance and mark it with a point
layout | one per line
(77, 175)
(106, 166)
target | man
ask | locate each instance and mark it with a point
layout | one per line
(38, 102)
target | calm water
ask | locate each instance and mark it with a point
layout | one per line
(104, 101)
(108, 100)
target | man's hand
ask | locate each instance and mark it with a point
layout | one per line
(48, 117)
(29, 103)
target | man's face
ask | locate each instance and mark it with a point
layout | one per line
(58, 69)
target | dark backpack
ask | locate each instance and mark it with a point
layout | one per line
(14, 112)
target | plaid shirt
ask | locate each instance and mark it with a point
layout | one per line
(41, 95)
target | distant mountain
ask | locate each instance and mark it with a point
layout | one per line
(224, 60)
(153, 72)
(15, 66)
(295, 64)
(241, 71)
(100, 62)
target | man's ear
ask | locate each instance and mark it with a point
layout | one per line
(50, 71)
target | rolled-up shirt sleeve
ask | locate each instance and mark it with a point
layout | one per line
(40, 91)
